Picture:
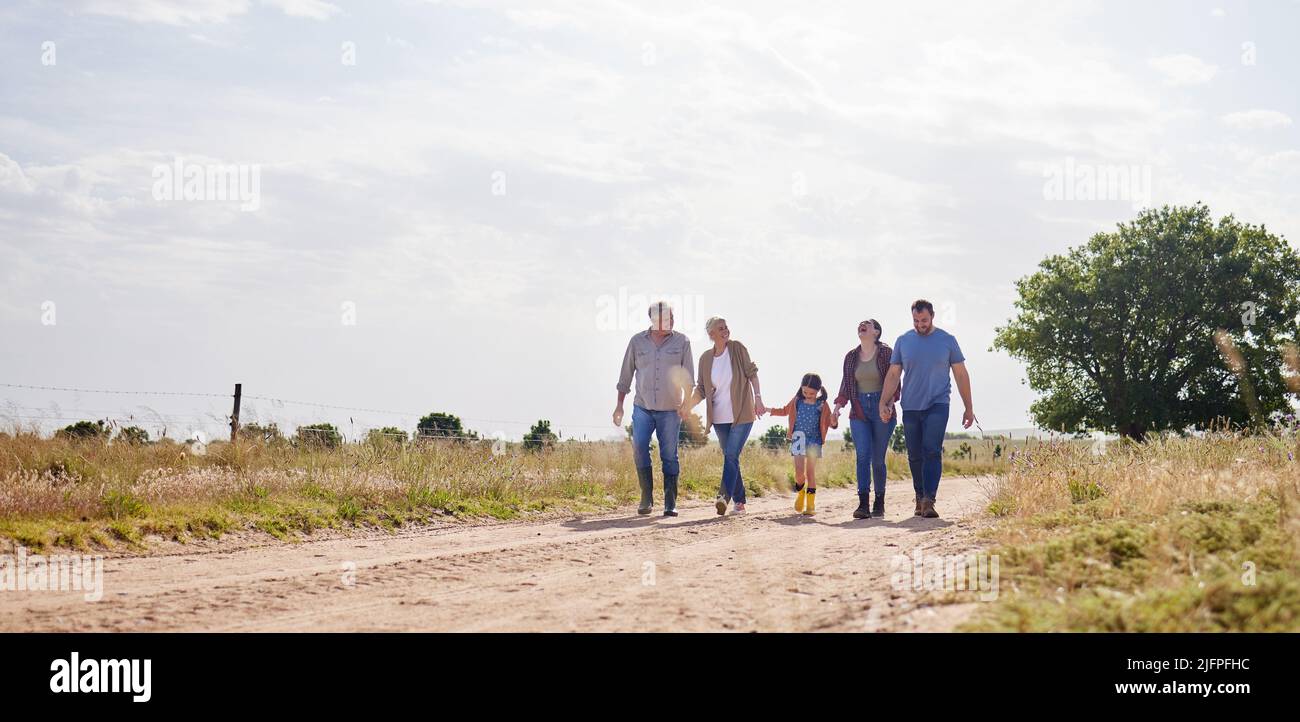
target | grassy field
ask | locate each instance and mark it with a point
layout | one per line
(1191, 534)
(1176, 534)
(94, 494)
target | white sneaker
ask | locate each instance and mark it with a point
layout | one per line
(721, 505)
(740, 508)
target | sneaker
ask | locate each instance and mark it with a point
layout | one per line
(721, 505)
(670, 512)
(740, 508)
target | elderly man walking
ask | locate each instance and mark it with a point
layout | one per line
(923, 357)
(660, 360)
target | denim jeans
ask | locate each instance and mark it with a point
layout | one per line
(732, 437)
(924, 430)
(870, 441)
(664, 424)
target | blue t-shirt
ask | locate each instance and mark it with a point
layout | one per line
(926, 361)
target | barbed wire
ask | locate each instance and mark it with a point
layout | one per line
(105, 391)
(253, 397)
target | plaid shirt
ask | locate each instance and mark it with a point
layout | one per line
(849, 386)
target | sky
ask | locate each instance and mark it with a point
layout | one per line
(465, 206)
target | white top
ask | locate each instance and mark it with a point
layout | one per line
(721, 376)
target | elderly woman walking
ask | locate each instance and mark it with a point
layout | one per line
(728, 384)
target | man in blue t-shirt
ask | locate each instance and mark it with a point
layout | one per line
(922, 358)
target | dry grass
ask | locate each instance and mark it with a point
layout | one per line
(1151, 478)
(1177, 534)
(88, 493)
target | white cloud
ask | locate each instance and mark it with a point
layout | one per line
(168, 12)
(194, 12)
(1183, 69)
(314, 9)
(1256, 120)
(917, 135)
(12, 178)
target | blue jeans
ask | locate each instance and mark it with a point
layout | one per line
(664, 424)
(870, 441)
(732, 437)
(924, 430)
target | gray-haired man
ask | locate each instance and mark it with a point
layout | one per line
(660, 360)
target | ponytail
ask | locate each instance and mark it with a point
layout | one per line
(812, 381)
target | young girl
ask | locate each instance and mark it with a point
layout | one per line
(810, 416)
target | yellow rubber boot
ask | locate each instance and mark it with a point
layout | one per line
(799, 498)
(808, 504)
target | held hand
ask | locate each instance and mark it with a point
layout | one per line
(684, 412)
(838, 407)
(618, 416)
(886, 412)
(967, 419)
(759, 408)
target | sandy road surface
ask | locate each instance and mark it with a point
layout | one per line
(766, 570)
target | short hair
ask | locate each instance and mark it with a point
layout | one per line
(708, 325)
(659, 306)
(921, 304)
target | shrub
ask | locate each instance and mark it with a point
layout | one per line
(439, 424)
(84, 430)
(266, 433)
(539, 436)
(386, 435)
(133, 435)
(773, 438)
(320, 435)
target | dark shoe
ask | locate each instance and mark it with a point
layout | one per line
(864, 507)
(928, 511)
(645, 478)
(920, 506)
(878, 508)
(670, 494)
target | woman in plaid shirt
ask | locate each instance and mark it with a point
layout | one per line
(865, 368)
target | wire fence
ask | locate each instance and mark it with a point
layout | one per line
(252, 419)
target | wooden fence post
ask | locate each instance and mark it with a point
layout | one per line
(234, 415)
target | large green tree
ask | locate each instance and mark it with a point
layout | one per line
(1119, 334)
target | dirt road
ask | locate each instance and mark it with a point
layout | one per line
(768, 570)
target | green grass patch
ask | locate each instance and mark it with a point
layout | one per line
(1207, 566)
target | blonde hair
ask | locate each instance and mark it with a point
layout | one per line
(713, 321)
